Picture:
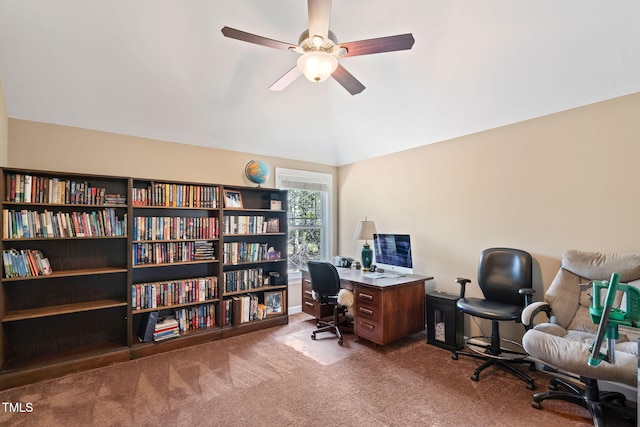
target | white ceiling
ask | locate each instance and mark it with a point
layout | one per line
(162, 69)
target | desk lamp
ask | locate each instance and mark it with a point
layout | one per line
(365, 231)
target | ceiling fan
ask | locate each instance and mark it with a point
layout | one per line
(320, 51)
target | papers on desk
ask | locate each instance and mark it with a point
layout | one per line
(377, 275)
(372, 275)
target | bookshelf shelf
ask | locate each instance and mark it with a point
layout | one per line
(68, 273)
(87, 312)
(55, 310)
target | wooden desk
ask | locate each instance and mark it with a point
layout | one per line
(385, 308)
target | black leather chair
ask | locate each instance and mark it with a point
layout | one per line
(505, 278)
(325, 282)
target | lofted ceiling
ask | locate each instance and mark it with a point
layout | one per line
(162, 69)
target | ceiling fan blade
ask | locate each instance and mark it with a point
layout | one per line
(252, 38)
(319, 17)
(346, 79)
(286, 80)
(379, 45)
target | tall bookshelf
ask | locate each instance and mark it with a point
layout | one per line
(175, 261)
(254, 256)
(75, 317)
(147, 246)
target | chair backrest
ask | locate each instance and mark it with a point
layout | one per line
(570, 301)
(324, 278)
(502, 272)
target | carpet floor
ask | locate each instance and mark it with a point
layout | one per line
(281, 377)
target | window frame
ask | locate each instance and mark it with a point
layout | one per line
(313, 181)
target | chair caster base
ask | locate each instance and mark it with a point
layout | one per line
(475, 376)
(340, 341)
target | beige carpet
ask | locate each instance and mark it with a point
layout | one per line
(257, 379)
(325, 349)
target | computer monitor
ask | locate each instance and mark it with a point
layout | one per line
(393, 253)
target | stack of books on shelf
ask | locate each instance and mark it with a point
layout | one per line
(165, 329)
(25, 263)
(115, 199)
(203, 250)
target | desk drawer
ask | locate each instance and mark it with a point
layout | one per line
(369, 329)
(368, 319)
(368, 296)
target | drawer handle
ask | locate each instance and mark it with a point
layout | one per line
(366, 311)
(307, 280)
(365, 296)
(308, 293)
(368, 326)
(309, 304)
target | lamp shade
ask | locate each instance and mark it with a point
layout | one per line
(317, 66)
(365, 230)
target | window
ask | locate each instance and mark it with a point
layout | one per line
(309, 215)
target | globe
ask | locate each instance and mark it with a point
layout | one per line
(257, 171)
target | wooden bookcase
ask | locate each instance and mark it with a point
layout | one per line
(87, 313)
(74, 318)
(254, 253)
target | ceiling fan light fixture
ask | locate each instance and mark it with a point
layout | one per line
(317, 66)
(317, 41)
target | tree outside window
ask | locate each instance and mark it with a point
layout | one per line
(309, 207)
(305, 227)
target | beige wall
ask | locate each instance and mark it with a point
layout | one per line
(36, 145)
(4, 130)
(568, 180)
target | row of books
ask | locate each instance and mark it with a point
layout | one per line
(25, 224)
(243, 280)
(196, 317)
(173, 292)
(25, 188)
(176, 195)
(242, 309)
(250, 224)
(169, 252)
(25, 263)
(237, 252)
(174, 228)
(154, 327)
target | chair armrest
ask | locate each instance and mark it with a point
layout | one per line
(528, 294)
(531, 311)
(462, 282)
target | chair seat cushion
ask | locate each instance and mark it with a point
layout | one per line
(491, 310)
(571, 353)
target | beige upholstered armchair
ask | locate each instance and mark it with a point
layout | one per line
(562, 343)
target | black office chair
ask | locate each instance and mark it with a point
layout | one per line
(504, 276)
(325, 282)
